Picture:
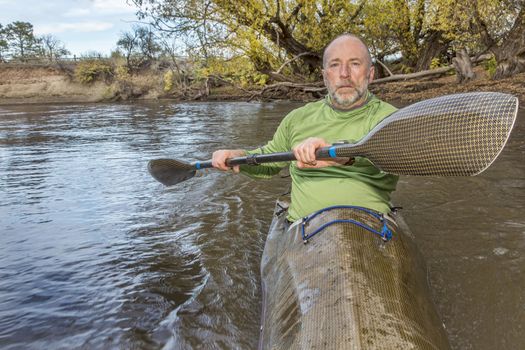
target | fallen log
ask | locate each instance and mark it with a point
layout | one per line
(426, 73)
(305, 87)
(423, 73)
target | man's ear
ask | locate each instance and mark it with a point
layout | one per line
(371, 73)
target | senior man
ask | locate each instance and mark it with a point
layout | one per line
(348, 112)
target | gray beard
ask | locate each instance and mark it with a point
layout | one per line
(348, 101)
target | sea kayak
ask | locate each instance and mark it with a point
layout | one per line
(345, 278)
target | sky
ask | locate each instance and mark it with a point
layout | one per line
(82, 25)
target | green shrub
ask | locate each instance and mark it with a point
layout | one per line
(490, 66)
(89, 71)
(435, 63)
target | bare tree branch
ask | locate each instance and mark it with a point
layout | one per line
(385, 67)
(291, 60)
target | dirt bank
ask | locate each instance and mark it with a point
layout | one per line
(416, 90)
(49, 84)
(34, 84)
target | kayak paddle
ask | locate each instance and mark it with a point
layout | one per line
(454, 135)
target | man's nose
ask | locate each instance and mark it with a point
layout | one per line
(344, 72)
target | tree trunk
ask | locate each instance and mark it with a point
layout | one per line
(463, 66)
(281, 35)
(511, 54)
(434, 46)
(207, 87)
(380, 71)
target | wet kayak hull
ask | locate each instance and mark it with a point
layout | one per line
(346, 288)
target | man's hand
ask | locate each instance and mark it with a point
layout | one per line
(305, 154)
(219, 158)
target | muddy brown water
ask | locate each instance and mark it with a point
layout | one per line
(95, 254)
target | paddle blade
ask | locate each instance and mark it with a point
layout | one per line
(455, 135)
(170, 172)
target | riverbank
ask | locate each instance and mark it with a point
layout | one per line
(29, 84)
(417, 90)
(24, 84)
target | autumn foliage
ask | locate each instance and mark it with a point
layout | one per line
(284, 39)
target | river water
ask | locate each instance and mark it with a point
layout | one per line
(96, 254)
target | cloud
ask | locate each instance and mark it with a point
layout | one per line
(112, 6)
(77, 12)
(85, 27)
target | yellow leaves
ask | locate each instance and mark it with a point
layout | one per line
(311, 23)
(168, 80)
(316, 22)
(237, 70)
(122, 72)
(435, 63)
(87, 72)
(463, 21)
(268, 33)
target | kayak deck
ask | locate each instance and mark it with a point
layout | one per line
(346, 288)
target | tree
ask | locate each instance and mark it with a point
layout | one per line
(170, 47)
(52, 48)
(501, 25)
(294, 32)
(3, 44)
(403, 28)
(269, 32)
(128, 43)
(139, 46)
(147, 44)
(288, 36)
(21, 39)
(193, 21)
(496, 26)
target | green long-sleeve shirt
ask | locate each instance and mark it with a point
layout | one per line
(360, 184)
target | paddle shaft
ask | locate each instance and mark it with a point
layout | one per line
(255, 159)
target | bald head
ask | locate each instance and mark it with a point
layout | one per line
(346, 39)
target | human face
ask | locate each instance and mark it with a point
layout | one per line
(347, 72)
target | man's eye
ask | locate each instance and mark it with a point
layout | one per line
(333, 65)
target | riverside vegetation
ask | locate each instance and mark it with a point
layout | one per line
(223, 49)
